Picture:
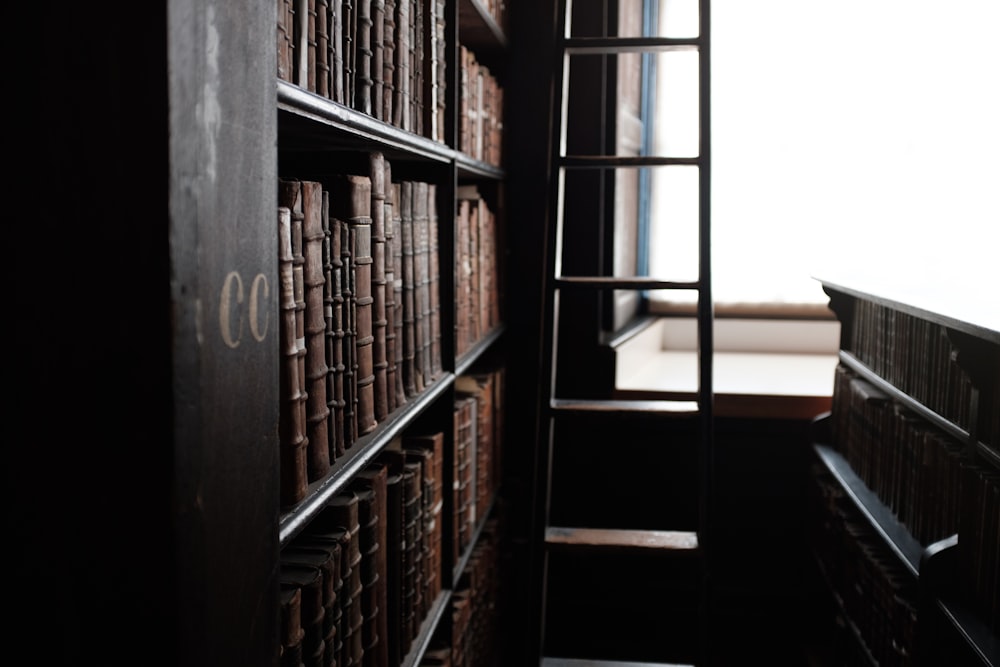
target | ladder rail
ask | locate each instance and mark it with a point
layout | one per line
(553, 282)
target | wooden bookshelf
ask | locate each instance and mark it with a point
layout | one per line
(151, 435)
(318, 133)
(915, 412)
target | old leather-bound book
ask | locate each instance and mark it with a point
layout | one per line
(355, 191)
(291, 414)
(397, 291)
(290, 649)
(409, 290)
(378, 281)
(327, 559)
(390, 290)
(309, 580)
(314, 278)
(333, 302)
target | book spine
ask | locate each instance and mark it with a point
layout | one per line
(401, 94)
(337, 50)
(309, 581)
(375, 477)
(412, 552)
(397, 290)
(323, 48)
(394, 542)
(291, 424)
(378, 282)
(388, 60)
(434, 283)
(417, 64)
(377, 49)
(441, 85)
(363, 71)
(409, 285)
(317, 410)
(349, 25)
(461, 271)
(343, 512)
(390, 290)
(333, 311)
(356, 191)
(421, 277)
(284, 49)
(350, 335)
(292, 633)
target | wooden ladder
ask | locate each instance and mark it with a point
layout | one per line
(593, 543)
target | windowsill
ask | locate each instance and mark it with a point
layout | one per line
(769, 369)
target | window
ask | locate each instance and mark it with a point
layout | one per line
(865, 132)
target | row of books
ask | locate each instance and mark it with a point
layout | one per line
(363, 575)
(384, 58)
(360, 311)
(913, 466)
(927, 478)
(477, 269)
(478, 435)
(878, 597)
(360, 579)
(473, 638)
(918, 357)
(480, 132)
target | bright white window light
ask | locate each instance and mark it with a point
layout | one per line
(863, 133)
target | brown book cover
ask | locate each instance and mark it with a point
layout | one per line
(418, 58)
(323, 49)
(377, 163)
(341, 511)
(410, 565)
(461, 276)
(397, 291)
(421, 286)
(441, 82)
(390, 290)
(378, 52)
(334, 540)
(368, 519)
(409, 290)
(317, 410)
(309, 580)
(293, 441)
(350, 352)
(305, 44)
(349, 43)
(434, 282)
(363, 62)
(429, 449)
(393, 461)
(284, 46)
(401, 73)
(292, 633)
(388, 60)
(336, 22)
(481, 387)
(355, 194)
(327, 560)
(375, 477)
(464, 491)
(333, 301)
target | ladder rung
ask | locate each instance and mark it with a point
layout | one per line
(598, 45)
(614, 539)
(672, 408)
(613, 161)
(624, 282)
